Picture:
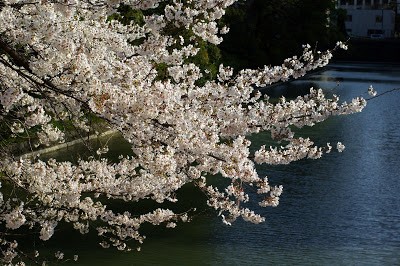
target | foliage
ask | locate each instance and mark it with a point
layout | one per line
(149, 70)
(270, 30)
(397, 25)
(127, 15)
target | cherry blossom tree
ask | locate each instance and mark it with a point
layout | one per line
(65, 61)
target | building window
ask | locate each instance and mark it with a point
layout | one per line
(378, 19)
(359, 2)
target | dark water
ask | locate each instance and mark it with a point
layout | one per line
(343, 209)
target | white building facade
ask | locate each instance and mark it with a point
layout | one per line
(369, 18)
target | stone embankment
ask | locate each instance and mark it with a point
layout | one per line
(27, 149)
(25, 146)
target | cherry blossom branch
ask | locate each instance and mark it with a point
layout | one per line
(383, 93)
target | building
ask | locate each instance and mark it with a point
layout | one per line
(370, 18)
(369, 4)
(370, 23)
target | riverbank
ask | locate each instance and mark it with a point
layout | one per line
(68, 144)
(28, 149)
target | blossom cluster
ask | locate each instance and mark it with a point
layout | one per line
(65, 61)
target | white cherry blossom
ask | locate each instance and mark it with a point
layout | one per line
(63, 62)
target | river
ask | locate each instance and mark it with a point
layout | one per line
(343, 209)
